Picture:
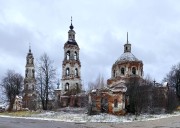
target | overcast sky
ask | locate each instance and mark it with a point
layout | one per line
(101, 27)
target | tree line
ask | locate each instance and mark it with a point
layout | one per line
(12, 82)
(143, 95)
(147, 97)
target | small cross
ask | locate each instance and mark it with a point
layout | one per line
(154, 82)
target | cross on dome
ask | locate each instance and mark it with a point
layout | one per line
(29, 47)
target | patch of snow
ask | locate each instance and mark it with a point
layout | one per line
(57, 89)
(103, 117)
(165, 84)
(94, 90)
(4, 105)
(127, 56)
(79, 115)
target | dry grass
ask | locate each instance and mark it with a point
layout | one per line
(178, 108)
(20, 113)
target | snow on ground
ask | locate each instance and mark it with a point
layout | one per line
(103, 117)
(79, 115)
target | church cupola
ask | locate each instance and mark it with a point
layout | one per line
(71, 27)
(71, 33)
(125, 67)
(127, 46)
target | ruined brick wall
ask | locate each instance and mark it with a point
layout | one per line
(104, 102)
(64, 101)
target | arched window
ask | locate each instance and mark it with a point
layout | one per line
(69, 36)
(33, 87)
(67, 72)
(30, 60)
(77, 86)
(68, 55)
(115, 103)
(76, 72)
(122, 71)
(67, 87)
(59, 96)
(26, 72)
(134, 71)
(33, 73)
(75, 55)
(27, 86)
(114, 73)
(141, 72)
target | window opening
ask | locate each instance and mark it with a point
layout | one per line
(134, 71)
(68, 55)
(115, 103)
(122, 71)
(114, 73)
(75, 55)
(67, 71)
(67, 87)
(76, 72)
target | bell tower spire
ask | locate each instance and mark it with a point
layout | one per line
(71, 33)
(127, 38)
(29, 47)
(71, 26)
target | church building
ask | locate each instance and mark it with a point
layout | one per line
(71, 71)
(71, 66)
(29, 92)
(112, 99)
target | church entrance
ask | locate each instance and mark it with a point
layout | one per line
(104, 104)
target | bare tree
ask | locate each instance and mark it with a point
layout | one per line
(133, 94)
(45, 79)
(145, 97)
(12, 85)
(171, 101)
(99, 83)
(139, 92)
(173, 78)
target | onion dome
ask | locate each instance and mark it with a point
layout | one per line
(71, 35)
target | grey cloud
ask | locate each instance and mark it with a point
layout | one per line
(101, 28)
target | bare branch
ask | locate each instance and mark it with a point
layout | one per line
(45, 79)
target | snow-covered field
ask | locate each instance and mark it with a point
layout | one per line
(79, 115)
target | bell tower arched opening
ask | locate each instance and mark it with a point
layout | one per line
(67, 55)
